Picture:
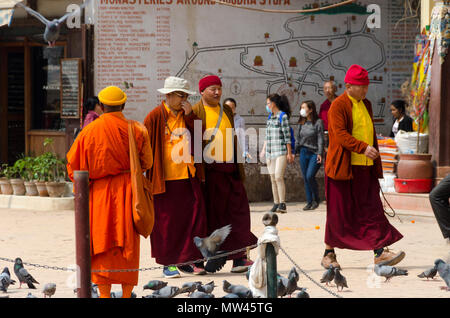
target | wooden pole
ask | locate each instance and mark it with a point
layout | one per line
(271, 219)
(82, 236)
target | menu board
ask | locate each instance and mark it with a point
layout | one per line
(70, 87)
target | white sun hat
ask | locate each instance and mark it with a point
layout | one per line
(175, 84)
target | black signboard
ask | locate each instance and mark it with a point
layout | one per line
(70, 87)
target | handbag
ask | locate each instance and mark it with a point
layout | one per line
(143, 209)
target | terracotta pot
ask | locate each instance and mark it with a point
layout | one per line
(42, 188)
(56, 189)
(18, 186)
(31, 188)
(415, 166)
(6, 187)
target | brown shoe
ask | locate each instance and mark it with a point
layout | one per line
(389, 258)
(330, 259)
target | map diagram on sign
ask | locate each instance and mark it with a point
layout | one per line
(296, 65)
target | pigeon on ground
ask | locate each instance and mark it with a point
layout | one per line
(167, 292)
(152, 296)
(52, 28)
(209, 247)
(23, 275)
(302, 293)
(287, 286)
(328, 276)
(389, 271)
(281, 286)
(155, 284)
(30, 295)
(119, 294)
(207, 288)
(444, 272)
(190, 287)
(241, 291)
(49, 290)
(199, 294)
(429, 273)
(5, 280)
(231, 295)
(339, 279)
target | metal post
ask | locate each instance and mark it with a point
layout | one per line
(271, 219)
(82, 236)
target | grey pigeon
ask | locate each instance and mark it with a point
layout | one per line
(207, 288)
(49, 289)
(23, 275)
(389, 271)
(5, 280)
(190, 287)
(428, 273)
(339, 279)
(281, 286)
(241, 291)
(30, 295)
(328, 276)
(52, 28)
(302, 293)
(94, 291)
(231, 296)
(287, 286)
(167, 292)
(199, 294)
(152, 296)
(209, 246)
(119, 294)
(155, 284)
(444, 272)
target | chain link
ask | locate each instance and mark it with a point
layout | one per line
(66, 269)
(309, 277)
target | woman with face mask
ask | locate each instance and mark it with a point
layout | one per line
(277, 147)
(309, 144)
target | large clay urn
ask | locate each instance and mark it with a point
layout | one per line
(415, 166)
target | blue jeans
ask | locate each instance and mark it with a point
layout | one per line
(309, 166)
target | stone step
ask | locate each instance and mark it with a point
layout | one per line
(37, 203)
(409, 201)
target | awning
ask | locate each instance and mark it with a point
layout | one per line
(6, 11)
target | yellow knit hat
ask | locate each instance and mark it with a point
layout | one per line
(112, 96)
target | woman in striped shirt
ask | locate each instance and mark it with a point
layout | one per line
(277, 147)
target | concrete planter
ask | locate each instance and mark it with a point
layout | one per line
(42, 188)
(6, 187)
(31, 189)
(18, 186)
(56, 189)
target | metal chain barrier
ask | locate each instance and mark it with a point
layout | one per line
(66, 269)
(309, 277)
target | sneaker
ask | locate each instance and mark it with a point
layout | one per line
(282, 208)
(274, 208)
(198, 270)
(188, 269)
(314, 205)
(330, 259)
(171, 272)
(389, 258)
(241, 265)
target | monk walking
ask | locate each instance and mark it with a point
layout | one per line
(355, 215)
(102, 148)
(225, 195)
(180, 212)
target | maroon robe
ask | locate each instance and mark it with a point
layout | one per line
(355, 214)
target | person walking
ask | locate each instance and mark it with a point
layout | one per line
(277, 147)
(180, 212)
(355, 214)
(439, 199)
(310, 144)
(102, 148)
(239, 127)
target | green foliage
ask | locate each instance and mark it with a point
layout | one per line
(7, 171)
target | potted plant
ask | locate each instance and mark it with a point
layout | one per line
(16, 177)
(56, 171)
(29, 175)
(42, 171)
(5, 185)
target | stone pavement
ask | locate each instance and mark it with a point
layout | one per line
(47, 238)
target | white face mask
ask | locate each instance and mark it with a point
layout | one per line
(303, 113)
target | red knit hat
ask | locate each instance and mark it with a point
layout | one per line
(357, 75)
(208, 81)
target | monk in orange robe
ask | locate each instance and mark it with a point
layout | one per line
(102, 149)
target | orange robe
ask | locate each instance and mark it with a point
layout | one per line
(102, 149)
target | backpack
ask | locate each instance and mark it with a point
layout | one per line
(290, 129)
